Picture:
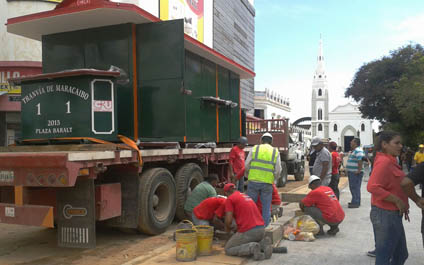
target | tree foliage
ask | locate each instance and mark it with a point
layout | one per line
(391, 90)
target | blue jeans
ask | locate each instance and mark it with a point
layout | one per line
(263, 191)
(390, 238)
(240, 184)
(355, 181)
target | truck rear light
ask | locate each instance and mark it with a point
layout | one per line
(83, 172)
(52, 179)
(62, 179)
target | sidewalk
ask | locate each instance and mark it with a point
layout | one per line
(350, 245)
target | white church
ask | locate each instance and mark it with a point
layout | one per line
(344, 122)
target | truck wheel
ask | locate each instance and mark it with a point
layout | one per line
(300, 172)
(186, 178)
(157, 201)
(281, 182)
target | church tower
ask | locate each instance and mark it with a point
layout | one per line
(320, 122)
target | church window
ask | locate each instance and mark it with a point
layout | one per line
(363, 127)
(335, 127)
(320, 92)
(319, 76)
(319, 114)
(320, 127)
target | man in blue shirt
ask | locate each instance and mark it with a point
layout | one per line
(355, 172)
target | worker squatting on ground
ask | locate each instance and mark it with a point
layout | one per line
(202, 191)
(210, 212)
(249, 239)
(263, 165)
(322, 205)
(236, 163)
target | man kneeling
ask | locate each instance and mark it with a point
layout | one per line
(249, 239)
(322, 205)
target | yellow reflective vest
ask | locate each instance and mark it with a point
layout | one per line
(262, 165)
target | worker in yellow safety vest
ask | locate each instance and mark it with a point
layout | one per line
(263, 166)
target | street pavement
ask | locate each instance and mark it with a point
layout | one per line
(350, 245)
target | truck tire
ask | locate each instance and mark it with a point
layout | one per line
(299, 175)
(156, 201)
(187, 177)
(281, 182)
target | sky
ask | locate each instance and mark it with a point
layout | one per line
(354, 32)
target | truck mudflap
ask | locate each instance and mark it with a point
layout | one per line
(34, 215)
(76, 215)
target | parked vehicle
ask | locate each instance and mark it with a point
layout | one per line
(292, 158)
(112, 69)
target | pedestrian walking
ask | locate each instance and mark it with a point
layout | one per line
(237, 167)
(335, 165)
(322, 166)
(408, 185)
(249, 240)
(322, 205)
(263, 165)
(355, 172)
(388, 201)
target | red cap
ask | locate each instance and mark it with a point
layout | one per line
(229, 186)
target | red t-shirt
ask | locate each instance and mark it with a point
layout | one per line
(276, 200)
(385, 180)
(207, 208)
(237, 157)
(244, 211)
(324, 199)
(335, 161)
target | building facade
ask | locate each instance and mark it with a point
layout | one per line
(319, 115)
(234, 37)
(347, 123)
(270, 105)
(343, 123)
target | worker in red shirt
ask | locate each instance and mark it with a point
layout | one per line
(237, 157)
(322, 205)
(335, 164)
(209, 212)
(275, 202)
(249, 239)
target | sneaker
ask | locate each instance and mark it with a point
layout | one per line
(371, 253)
(256, 251)
(333, 231)
(351, 205)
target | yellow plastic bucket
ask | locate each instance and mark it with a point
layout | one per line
(204, 239)
(186, 244)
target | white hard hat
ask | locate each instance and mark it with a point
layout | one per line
(313, 178)
(267, 135)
